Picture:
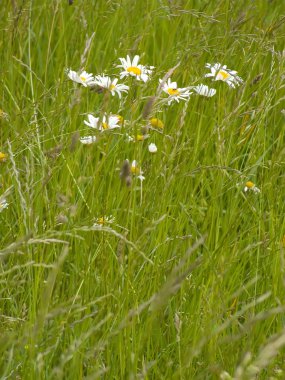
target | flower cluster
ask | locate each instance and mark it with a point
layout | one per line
(169, 92)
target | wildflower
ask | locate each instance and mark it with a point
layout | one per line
(112, 85)
(3, 157)
(3, 204)
(84, 78)
(250, 186)
(88, 140)
(152, 148)
(174, 93)
(156, 123)
(103, 220)
(136, 170)
(132, 68)
(108, 122)
(140, 137)
(203, 90)
(219, 72)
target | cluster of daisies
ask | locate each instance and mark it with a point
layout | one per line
(172, 94)
(132, 68)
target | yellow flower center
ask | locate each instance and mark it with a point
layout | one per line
(82, 78)
(135, 169)
(3, 157)
(249, 184)
(101, 220)
(154, 122)
(105, 126)
(134, 70)
(140, 137)
(112, 86)
(173, 91)
(223, 75)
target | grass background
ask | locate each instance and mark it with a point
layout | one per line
(188, 283)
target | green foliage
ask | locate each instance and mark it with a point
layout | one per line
(188, 281)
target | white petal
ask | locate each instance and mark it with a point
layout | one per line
(87, 140)
(135, 60)
(152, 148)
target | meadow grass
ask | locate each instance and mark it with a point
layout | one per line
(188, 281)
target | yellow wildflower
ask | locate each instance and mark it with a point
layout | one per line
(156, 123)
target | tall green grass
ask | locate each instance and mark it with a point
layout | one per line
(188, 282)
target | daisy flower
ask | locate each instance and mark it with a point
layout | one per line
(108, 122)
(152, 148)
(112, 85)
(84, 78)
(174, 93)
(203, 90)
(136, 170)
(250, 186)
(103, 220)
(219, 72)
(132, 68)
(88, 140)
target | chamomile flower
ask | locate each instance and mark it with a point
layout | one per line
(219, 72)
(88, 140)
(152, 148)
(204, 90)
(108, 122)
(132, 68)
(174, 93)
(84, 78)
(112, 85)
(3, 204)
(103, 220)
(250, 186)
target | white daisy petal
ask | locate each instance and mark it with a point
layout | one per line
(88, 140)
(92, 121)
(203, 90)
